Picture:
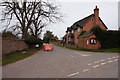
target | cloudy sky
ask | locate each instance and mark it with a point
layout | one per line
(74, 10)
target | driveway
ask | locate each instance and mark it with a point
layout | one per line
(64, 63)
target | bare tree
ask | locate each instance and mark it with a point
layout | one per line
(31, 16)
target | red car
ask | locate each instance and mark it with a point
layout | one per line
(47, 46)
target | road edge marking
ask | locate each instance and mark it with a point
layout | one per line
(86, 70)
(73, 74)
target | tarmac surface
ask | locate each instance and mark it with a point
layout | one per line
(64, 63)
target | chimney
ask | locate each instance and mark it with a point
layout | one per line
(96, 13)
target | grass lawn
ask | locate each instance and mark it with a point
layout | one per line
(18, 56)
(116, 50)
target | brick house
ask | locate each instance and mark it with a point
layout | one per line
(87, 40)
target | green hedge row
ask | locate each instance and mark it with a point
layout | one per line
(108, 39)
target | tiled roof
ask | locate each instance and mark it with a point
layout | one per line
(81, 22)
(87, 34)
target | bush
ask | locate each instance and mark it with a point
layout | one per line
(32, 41)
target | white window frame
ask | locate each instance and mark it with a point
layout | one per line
(79, 29)
(87, 42)
(93, 41)
(72, 31)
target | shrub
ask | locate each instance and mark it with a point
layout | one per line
(32, 41)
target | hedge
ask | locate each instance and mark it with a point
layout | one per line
(108, 39)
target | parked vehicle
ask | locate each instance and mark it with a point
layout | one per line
(47, 47)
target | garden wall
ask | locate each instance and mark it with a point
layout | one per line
(12, 45)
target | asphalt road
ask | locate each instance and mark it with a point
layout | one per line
(64, 63)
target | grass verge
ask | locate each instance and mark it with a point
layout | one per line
(18, 56)
(115, 50)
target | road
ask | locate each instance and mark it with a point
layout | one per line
(64, 63)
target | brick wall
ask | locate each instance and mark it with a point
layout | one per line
(11, 45)
(83, 43)
(76, 34)
(89, 25)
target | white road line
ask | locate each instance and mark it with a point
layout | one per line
(90, 64)
(110, 61)
(96, 66)
(95, 62)
(114, 57)
(86, 70)
(73, 74)
(102, 63)
(108, 58)
(85, 55)
(102, 60)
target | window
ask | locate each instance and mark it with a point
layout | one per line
(72, 31)
(92, 19)
(78, 29)
(87, 42)
(93, 41)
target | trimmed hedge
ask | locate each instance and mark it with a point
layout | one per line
(108, 39)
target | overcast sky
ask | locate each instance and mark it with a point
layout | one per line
(74, 10)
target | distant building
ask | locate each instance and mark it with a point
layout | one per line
(87, 40)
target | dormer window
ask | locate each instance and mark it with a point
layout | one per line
(78, 29)
(72, 31)
(92, 19)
